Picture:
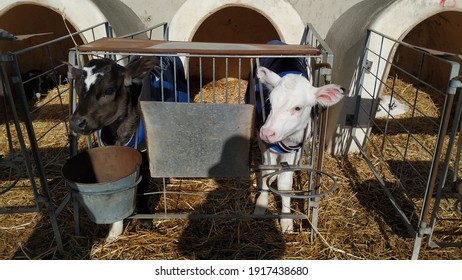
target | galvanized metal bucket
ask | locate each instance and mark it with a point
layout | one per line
(104, 181)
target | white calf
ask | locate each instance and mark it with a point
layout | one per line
(292, 99)
(390, 107)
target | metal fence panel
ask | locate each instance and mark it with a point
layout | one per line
(406, 151)
(217, 75)
(36, 138)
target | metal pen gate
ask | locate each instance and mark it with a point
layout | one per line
(415, 156)
(216, 80)
(35, 140)
(35, 114)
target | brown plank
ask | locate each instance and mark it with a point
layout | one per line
(197, 48)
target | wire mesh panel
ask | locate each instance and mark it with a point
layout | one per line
(212, 99)
(35, 95)
(403, 124)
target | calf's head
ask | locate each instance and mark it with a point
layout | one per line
(292, 99)
(104, 95)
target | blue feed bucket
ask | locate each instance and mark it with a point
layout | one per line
(104, 181)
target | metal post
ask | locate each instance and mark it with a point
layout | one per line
(45, 198)
(424, 220)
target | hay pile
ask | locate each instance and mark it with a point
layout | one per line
(226, 90)
(355, 222)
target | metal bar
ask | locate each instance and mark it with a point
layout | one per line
(434, 244)
(454, 85)
(60, 38)
(108, 29)
(459, 145)
(218, 216)
(24, 152)
(395, 204)
(239, 74)
(226, 80)
(436, 159)
(175, 89)
(188, 82)
(214, 75)
(7, 119)
(164, 189)
(200, 80)
(46, 196)
(63, 204)
(19, 210)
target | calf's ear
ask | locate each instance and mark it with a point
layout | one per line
(76, 72)
(139, 69)
(268, 77)
(329, 95)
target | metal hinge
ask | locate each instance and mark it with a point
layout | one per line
(350, 119)
(368, 66)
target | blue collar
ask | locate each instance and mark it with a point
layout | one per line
(131, 142)
(281, 148)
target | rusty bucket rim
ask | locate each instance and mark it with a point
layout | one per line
(95, 150)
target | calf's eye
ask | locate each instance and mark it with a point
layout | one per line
(297, 108)
(108, 91)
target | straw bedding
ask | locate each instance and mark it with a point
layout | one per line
(356, 221)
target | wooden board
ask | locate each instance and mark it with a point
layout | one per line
(174, 47)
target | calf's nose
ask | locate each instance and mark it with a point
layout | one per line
(267, 134)
(78, 124)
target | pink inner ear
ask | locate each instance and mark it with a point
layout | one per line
(328, 95)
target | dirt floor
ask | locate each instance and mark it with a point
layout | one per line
(356, 221)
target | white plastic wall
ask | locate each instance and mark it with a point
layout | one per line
(347, 37)
(83, 14)
(344, 25)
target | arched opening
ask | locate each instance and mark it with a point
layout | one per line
(430, 26)
(231, 25)
(192, 14)
(46, 16)
(236, 25)
(439, 32)
(34, 19)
